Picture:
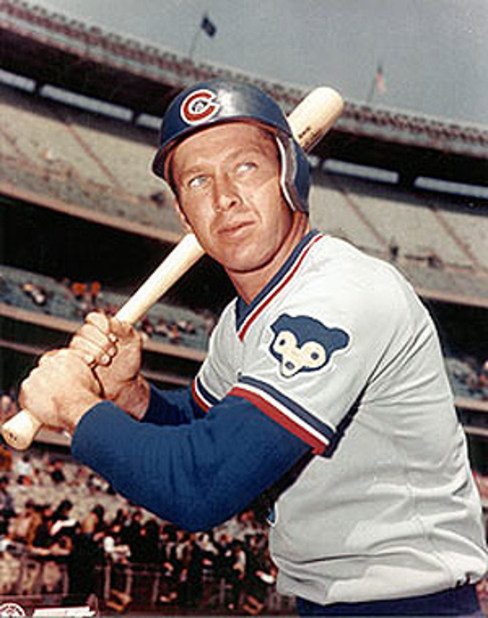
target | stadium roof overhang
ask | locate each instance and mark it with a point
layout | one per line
(49, 49)
(45, 63)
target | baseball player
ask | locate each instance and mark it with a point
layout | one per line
(324, 378)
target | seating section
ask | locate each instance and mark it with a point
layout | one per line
(164, 322)
(72, 154)
(332, 211)
(81, 159)
(100, 163)
(40, 136)
(124, 152)
(469, 220)
(376, 216)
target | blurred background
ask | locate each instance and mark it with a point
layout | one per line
(403, 175)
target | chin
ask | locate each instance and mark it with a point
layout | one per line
(247, 263)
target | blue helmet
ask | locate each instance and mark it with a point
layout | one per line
(222, 100)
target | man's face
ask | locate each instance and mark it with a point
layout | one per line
(228, 183)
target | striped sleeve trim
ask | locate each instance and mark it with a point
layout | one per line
(286, 412)
(204, 398)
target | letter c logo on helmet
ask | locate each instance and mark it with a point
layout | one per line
(199, 106)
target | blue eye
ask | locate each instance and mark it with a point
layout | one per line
(246, 166)
(197, 182)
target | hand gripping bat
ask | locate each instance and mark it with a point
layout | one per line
(309, 122)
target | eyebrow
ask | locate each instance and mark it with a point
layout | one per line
(197, 168)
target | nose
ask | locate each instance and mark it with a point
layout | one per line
(225, 193)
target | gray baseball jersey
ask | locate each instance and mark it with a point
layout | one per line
(339, 350)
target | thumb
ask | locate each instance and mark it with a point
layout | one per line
(122, 330)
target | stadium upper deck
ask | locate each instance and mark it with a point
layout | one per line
(99, 169)
(142, 78)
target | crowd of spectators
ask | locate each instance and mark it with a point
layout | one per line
(72, 299)
(54, 510)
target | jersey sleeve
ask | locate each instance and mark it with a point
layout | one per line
(219, 371)
(315, 352)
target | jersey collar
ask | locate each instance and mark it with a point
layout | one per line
(246, 314)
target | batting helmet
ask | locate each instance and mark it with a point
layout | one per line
(222, 100)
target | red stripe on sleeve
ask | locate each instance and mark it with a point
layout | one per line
(278, 416)
(205, 406)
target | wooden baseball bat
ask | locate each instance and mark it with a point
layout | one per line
(309, 122)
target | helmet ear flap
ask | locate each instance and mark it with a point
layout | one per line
(295, 173)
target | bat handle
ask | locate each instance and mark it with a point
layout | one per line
(19, 431)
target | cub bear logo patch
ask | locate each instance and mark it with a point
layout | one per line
(304, 344)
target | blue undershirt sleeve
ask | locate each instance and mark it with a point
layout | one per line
(196, 474)
(172, 407)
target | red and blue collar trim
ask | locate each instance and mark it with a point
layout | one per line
(246, 314)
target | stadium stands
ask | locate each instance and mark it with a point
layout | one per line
(467, 219)
(84, 164)
(163, 321)
(374, 215)
(331, 210)
(58, 519)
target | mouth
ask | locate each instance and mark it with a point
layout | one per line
(234, 228)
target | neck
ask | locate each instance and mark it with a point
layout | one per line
(249, 284)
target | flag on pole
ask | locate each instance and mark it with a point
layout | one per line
(208, 26)
(380, 80)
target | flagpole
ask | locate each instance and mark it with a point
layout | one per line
(372, 90)
(195, 39)
(377, 85)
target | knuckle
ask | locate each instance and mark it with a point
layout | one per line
(98, 319)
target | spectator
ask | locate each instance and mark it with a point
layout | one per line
(120, 517)
(24, 470)
(93, 525)
(5, 459)
(61, 519)
(7, 508)
(260, 574)
(483, 379)
(83, 559)
(56, 472)
(42, 538)
(95, 292)
(37, 294)
(8, 406)
(174, 334)
(114, 550)
(78, 289)
(131, 534)
(21, 527)
(236, 573)
(186, 326)
(147, 548)
(146, 326)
